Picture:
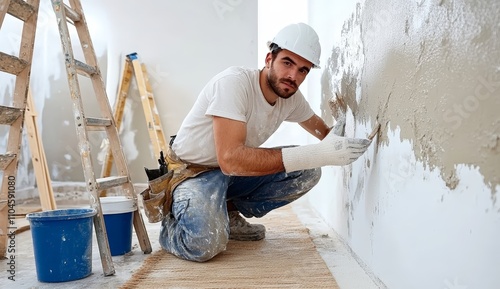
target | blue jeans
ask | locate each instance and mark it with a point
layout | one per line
(198, 227)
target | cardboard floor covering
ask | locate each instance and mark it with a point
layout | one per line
(286, 258)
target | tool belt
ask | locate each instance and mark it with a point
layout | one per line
(157, 198)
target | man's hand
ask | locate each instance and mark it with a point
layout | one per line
(341, 151)
(333, 150)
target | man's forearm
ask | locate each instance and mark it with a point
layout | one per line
(247, 161)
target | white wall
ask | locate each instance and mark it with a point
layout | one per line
(419, 208)
(182, 43)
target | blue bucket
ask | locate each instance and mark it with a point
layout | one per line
(118, 218)
(62, 243)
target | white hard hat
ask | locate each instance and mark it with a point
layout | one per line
(300, 39)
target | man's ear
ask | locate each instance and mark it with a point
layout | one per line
(269, 58)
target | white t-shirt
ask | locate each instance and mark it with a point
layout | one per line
(234, 93)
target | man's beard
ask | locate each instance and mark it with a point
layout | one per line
(273, 82)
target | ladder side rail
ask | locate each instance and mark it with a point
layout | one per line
(38, 159)
(111, 130)
(118, 113)
(15, 133)
(83, 143)
(148, 113)
(4, 7)
(75, 92)
(162, 143)
(99, 88)
(145, 95)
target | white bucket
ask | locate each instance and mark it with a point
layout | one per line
(118, 218)
(116, 205)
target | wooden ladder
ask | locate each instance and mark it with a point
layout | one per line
(134, 66)
(38, 159)
(26, 11)
(73, 14)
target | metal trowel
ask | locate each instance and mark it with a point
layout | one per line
(374, 131)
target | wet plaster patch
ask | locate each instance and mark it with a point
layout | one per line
(431, 68)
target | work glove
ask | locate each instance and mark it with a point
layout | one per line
(333, 150)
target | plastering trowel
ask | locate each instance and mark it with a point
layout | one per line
(374, 131)
(338, 108)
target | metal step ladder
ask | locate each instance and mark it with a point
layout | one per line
(13, 116)
(74, 15)
(133, 67)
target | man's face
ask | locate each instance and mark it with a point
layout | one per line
(287, 72)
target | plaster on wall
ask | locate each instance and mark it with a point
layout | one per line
(419, 208)
(431, 68)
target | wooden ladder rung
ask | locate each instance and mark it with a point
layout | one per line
(85, 69)
(96, 123)
(151, 126)
(5, 160)
(11, 64)
(72, 14)
(20, 9)
(8, 114)
(111, 182)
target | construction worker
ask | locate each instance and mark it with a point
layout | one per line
(221, 172)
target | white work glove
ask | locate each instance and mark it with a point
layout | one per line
(333, 150)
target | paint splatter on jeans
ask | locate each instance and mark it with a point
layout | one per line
(198, 228)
